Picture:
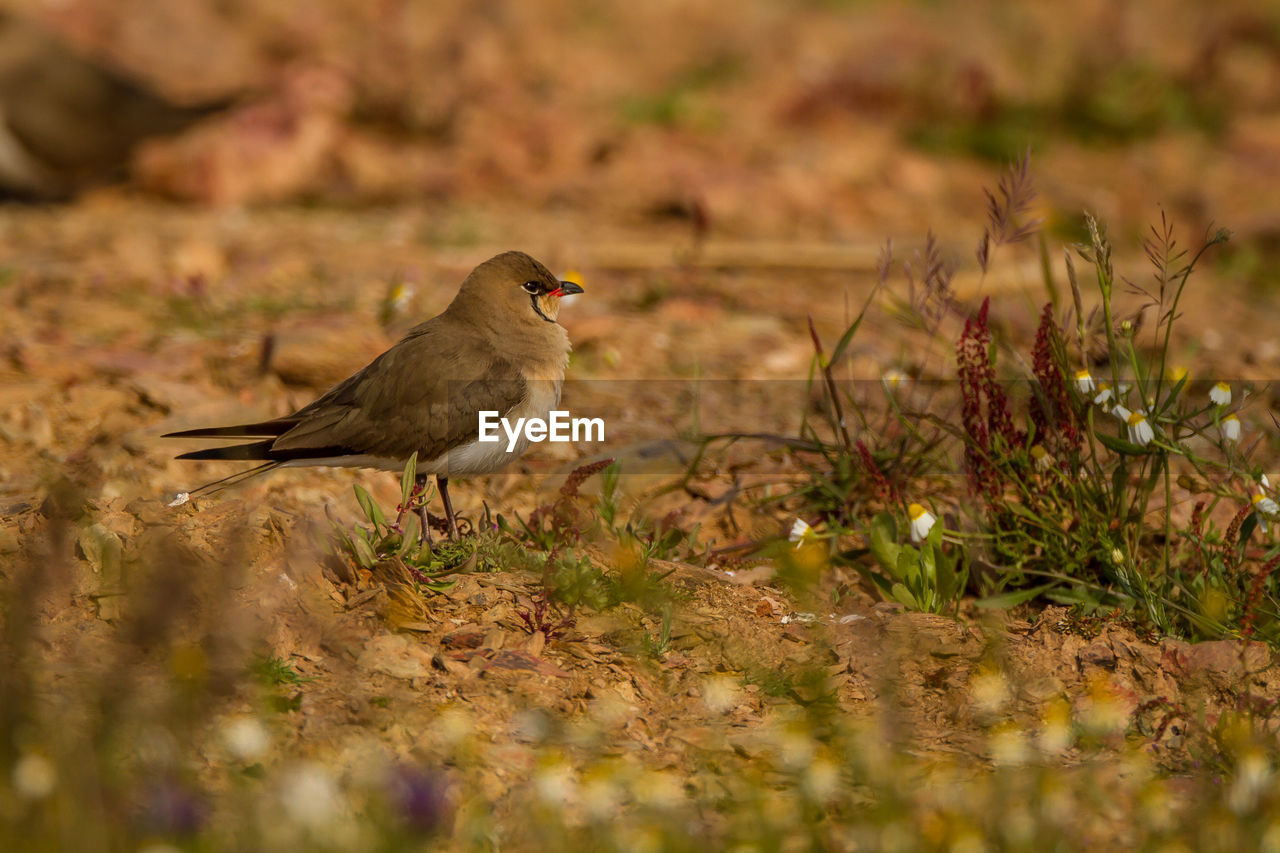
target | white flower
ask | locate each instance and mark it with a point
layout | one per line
(452, 727)
(1220, 394)
(1263, 505)
(1056, 729)
(555, 784)
(1253, 777)
(893, 377)
(822, 779)
(1140, 431)
(34, 777)
(245, 738)
(601, 796)
(398, 296)
(720, 693)
(922, 522)
(1041, 458)
(800, 531)
(1121, 413)
(1084, 381)
(989, 690)
(658, 789)
(1009, 747)
(310, 796)
(1231, 428)
(1107, 394)
(794, 747)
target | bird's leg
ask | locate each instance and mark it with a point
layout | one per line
(424, 521)
(442, 483)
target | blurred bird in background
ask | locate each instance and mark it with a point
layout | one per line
(69, 122)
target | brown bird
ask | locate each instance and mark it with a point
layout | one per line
(497, 347)
(68, 121)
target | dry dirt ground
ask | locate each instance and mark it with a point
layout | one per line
(720, 177)
(123, 319)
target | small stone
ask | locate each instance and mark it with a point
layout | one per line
(1097, 653)
(395, 655)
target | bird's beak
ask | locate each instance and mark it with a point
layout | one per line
(566, 288)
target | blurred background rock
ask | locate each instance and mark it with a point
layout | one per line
(813, 118)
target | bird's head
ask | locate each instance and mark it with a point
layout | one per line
(515, 288)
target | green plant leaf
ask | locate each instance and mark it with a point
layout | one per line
(364, 554)
(1246, 527)
(908, 568)
(882, 536)
(344, 539)
(1119, 445)
(438, 586)
(1172, 396)
(929, 562)
(902, 594)
(847, 337)
(408, 479)
(1009, 600)
(882, 582)
(1021, 510)
(1119, 482)
(947, 578)
(369, 506)
(410, 536)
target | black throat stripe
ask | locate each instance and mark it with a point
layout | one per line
(534, 301)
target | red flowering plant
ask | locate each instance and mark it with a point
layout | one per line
(1049, 481)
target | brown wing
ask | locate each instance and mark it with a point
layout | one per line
(423, 395)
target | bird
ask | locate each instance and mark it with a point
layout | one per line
(69, 121)
(496, 347)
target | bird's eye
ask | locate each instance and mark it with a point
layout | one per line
(531, 287)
